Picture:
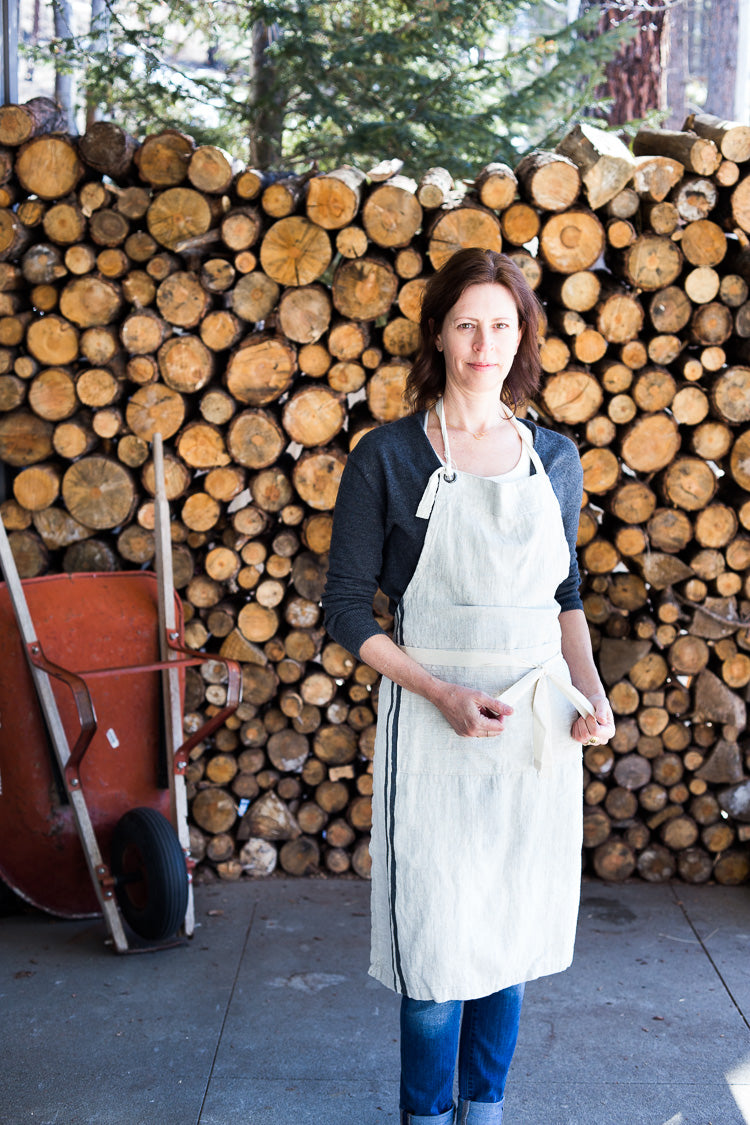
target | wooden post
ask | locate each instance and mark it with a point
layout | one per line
(170, 676)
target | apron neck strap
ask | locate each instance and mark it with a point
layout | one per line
(523, 432)
(526, 438)
(450, 472)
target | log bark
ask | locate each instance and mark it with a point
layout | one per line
(655, 176)
(731, 138)
(333, 199)
(697, 154)
(19, 123)
(550, 181)
(605, 164)
(495, 185)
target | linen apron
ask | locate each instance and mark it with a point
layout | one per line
(476, 842)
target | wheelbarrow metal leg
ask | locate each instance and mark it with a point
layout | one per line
(171, 676)
(97, 868)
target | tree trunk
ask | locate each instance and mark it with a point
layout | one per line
(722, 58)
(64, 80)
(98, 30)
(676, 67)
(266, 107)
(632, 77)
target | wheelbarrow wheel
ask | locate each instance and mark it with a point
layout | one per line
(148, 864)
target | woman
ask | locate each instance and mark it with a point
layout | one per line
(467, 519)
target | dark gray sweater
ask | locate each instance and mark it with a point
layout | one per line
(377, 538)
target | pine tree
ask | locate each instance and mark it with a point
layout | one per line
(428, 81)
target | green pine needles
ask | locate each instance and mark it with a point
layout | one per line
(286, 84)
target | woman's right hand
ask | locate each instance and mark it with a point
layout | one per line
(470, 712)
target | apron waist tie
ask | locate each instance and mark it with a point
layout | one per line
(536, 678)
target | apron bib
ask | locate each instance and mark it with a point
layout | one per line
(476, 842)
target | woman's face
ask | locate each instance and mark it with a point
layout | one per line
(479, 339)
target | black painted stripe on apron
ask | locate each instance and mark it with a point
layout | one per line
(393, 746)
(386, 808)
(391, 771)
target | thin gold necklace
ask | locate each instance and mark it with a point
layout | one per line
(477, 436)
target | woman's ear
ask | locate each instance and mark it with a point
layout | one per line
(436, 336)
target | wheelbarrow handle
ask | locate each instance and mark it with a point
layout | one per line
(84, 707)
(234, 695)
(182, 658)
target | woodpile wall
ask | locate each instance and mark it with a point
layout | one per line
(263, 324)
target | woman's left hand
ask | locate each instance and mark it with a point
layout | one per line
(597, 728)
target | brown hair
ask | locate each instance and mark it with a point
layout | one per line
(426, 380)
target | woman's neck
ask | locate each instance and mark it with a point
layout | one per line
(482, 453)
(472, 413)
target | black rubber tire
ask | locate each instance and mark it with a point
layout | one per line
(149, 866)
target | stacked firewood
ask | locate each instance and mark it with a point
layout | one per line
(263, 323)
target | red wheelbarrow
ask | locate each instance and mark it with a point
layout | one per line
(93, 810)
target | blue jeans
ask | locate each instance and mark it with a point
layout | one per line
(484, 1039)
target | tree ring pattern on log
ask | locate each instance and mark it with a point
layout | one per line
(460, 229)
(178, 213)
(571, 241)
(98, 492)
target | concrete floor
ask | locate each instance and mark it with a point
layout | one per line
(267, 1016)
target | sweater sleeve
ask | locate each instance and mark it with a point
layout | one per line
(356, 559)
(568, 485)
